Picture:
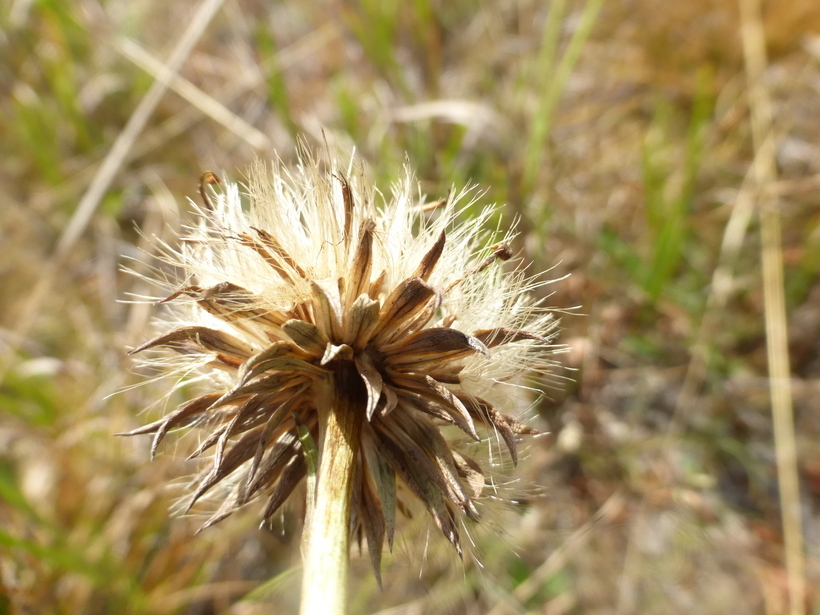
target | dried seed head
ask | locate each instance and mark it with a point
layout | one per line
(315, 276)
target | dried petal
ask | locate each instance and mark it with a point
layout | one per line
(504, 425)
(349, 205)
(269, 384)
(440, 395)
(377, 284)
(238, 454)
(431, 346)
(342, 352)
(284, 449)
(363, 317)
(384, 480)
(209, 340)
(272, 423)
(422, 485)
(359, 278)
(471, 472)
(233, 304)
(307, 335)
(443, 472)
(390, 400)
(372, 519)
(290, 477)
(264, 360)
(179, 418)
(428, 263)
(402, 304)
(327, 311)
(275, 247)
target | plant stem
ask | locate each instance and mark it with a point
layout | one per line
(325, 542)
(777, 337)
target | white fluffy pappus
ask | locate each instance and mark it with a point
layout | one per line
(311, 273)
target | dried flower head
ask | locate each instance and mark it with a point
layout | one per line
(317, 290)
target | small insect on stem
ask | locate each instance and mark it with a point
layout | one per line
(208, 177)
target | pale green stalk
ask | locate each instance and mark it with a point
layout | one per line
(325, 543)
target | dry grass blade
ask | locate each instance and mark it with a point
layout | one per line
(719, 289)
(199, 99)
(561, 556)
(754, 53)
(105, 175)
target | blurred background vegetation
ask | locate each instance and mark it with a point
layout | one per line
(618, 132)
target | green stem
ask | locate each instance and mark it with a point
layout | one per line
(325, 543)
